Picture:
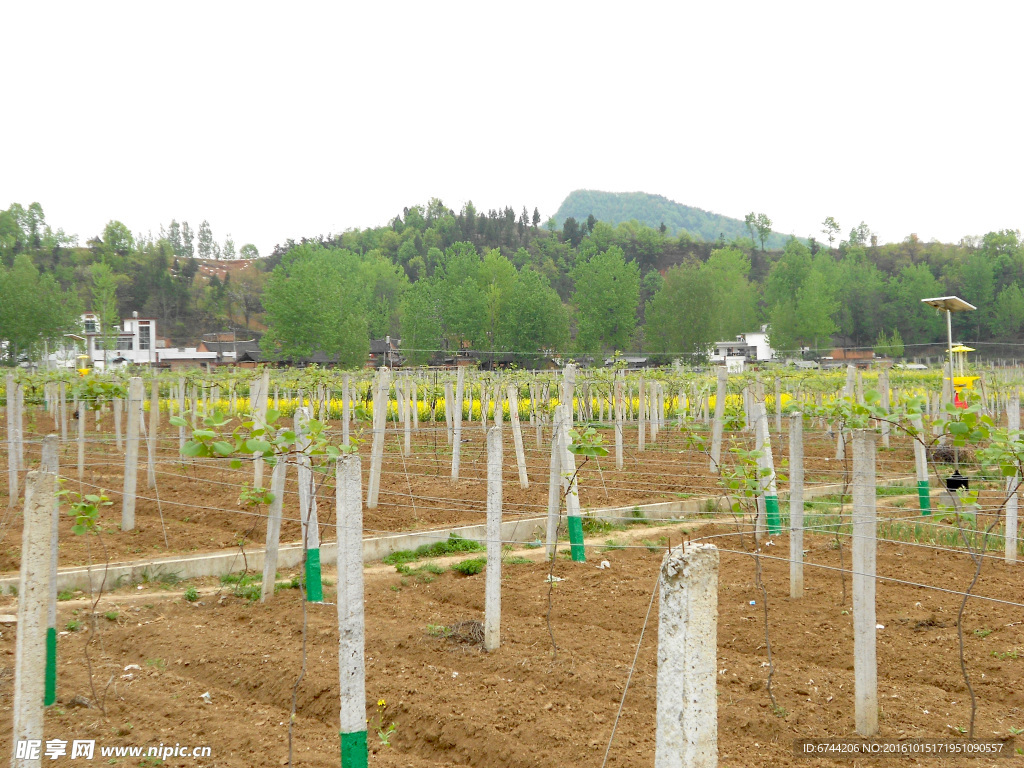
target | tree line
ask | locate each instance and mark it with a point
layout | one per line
(510, 284)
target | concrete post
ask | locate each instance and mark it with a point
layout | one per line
(80, 440)
(865, 519)
(50, 465)
(571, 489)
(449, 417)
(460, 389)
(380, 420)
(351, 643)
(34, 595)
(415, 407)
(554, 484)
(492, 591)
(851, 378)
(499, 405)
(716, 425)
(1012, 483)
(641, 423)
(883, 390)
(763, 444)
(154, 424)
(796, 505)
(778, 405)
(921, 467)
(537, 416)
(346, 409)
(517, 435)
(687, 696)
(181, 414)
(568, 389)
(947, 383)
(19, 426)
(52, 390)
(63, 405)
(131, 457)
(12, 440)
(483, 405)
(277, 478)
(117, 406)
(654, 398)
(406, 406)
(259, 391)
(307, 508)
(399, 400)
(619, 407)
(748, 410)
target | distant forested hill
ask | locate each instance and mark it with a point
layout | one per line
(653, 210)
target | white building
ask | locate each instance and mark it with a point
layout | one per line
(136, 342)
(752, 347)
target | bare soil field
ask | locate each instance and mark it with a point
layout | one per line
(550, 695)
(195, 505)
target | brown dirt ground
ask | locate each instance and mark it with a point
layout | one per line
(523, 705)
(196, 504)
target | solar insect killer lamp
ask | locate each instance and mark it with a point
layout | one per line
(951, 304)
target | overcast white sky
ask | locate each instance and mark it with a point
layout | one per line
(283, 120)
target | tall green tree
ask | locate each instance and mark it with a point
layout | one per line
(830, 229)
(680, 317)
(496, 277)
(860, 235)
(384, 283)
(763, 226)
(979, 288)
(315, 301)
(806, 320)
(860, 290)
(104, 304)
(736, 297)
(34, 311)
(918, 323)
(788, 273)
(187, 238)
(422, 321)
(174, 238)
(605, 299)
(1008, 313)
(533, 319)
(206, 246)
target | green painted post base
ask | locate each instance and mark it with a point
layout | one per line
(576, 539)
(314, 584)
(353, 750)
(771, 505)
(50, 691)
(925, 496)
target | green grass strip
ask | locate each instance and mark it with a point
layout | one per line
(453, 545)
